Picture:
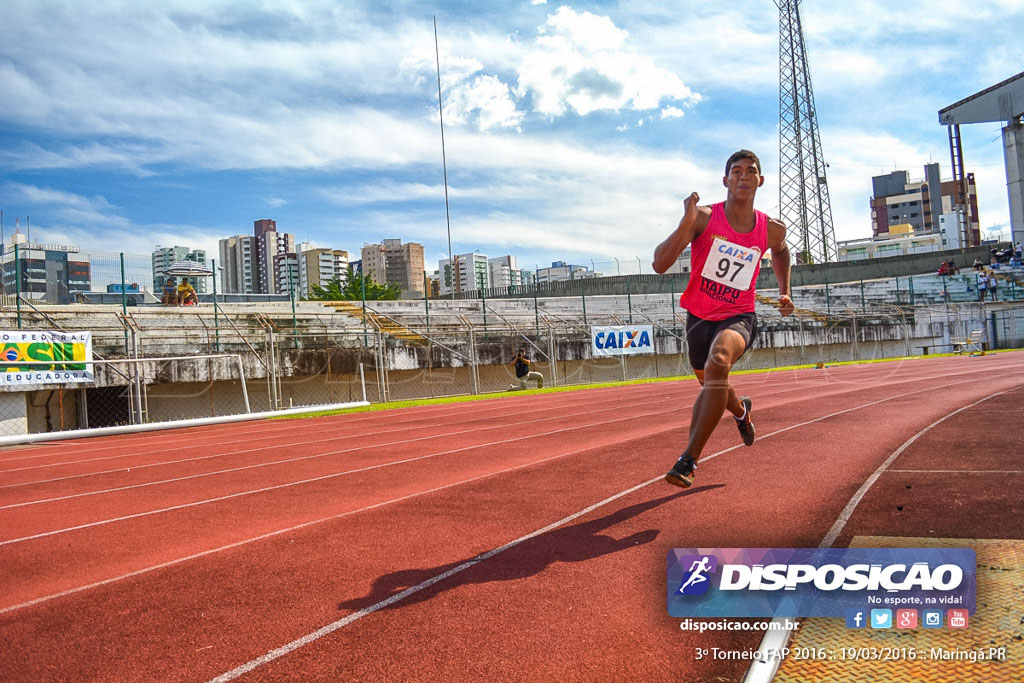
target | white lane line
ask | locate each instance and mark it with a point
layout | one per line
(267, 429)
(776, 392)
(272, 429)
(412, 495)
(303, 525)
(958, 471)
(191, 445)
(454, 409)
(277, 487)
(355, 616)
(847, 512)
(306, 457)
(363, 447)
(765, 665)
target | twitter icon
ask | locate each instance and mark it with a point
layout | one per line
(881, 618)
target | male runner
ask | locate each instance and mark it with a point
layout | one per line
(728, 241)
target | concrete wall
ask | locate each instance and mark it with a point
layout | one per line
(51, 410)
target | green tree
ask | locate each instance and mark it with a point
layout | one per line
(352, 289)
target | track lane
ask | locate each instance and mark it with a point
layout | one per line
(493, 517)
(113, 541)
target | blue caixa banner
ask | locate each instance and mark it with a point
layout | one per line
(816, 582)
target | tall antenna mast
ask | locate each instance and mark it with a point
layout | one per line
(444, 164)
(803, 190)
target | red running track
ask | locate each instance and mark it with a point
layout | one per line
(519, 538)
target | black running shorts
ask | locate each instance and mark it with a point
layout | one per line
(701, 333)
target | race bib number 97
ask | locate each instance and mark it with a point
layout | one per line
(731, 265)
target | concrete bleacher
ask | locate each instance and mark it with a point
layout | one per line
(404, 318)
(184, 329)
(170, 330)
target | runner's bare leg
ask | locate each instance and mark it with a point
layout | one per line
(717, 394)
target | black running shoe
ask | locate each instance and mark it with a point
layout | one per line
(682, 472)
(745, 426)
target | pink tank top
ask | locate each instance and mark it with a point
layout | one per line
(723, 267)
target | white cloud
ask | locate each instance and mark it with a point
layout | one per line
(582, 63)
(599, 201)
(469, 95)
(589, 32)
(67, 207)
(487, 99)
(347, 97)
(75, 219)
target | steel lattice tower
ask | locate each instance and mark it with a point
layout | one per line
(803, 190)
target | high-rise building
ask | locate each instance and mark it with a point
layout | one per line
(374, 263)
(236, 261)
(901, 206)
(320, 266)
(470, 273)
(286, 274)
(268, 244)
(48, 272)
(395, 263)
(502, 271)
(163, 257)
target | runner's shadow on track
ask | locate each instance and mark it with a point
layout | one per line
(576, 543)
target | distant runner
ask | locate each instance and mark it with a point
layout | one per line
(728, 241)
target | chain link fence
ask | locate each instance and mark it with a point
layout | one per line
(159, 364)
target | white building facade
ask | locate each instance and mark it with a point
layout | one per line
(470, 273)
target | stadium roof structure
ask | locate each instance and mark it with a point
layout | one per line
(1001, 102)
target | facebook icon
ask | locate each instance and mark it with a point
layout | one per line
(855, 618)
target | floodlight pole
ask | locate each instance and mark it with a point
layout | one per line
(216, 321)
(444, 161)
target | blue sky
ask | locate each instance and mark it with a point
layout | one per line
(573, 131)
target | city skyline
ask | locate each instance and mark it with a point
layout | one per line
(573, 132)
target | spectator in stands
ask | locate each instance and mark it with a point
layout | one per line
(944, 268)
(169, 295)
(953, 268)
(186, 294)
(982, 284)
(992, 286)
(994, 263)
(1017, 250)
(978, 265)
(523, 372)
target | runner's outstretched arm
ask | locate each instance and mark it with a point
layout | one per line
(780, 263)
(695, 219)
